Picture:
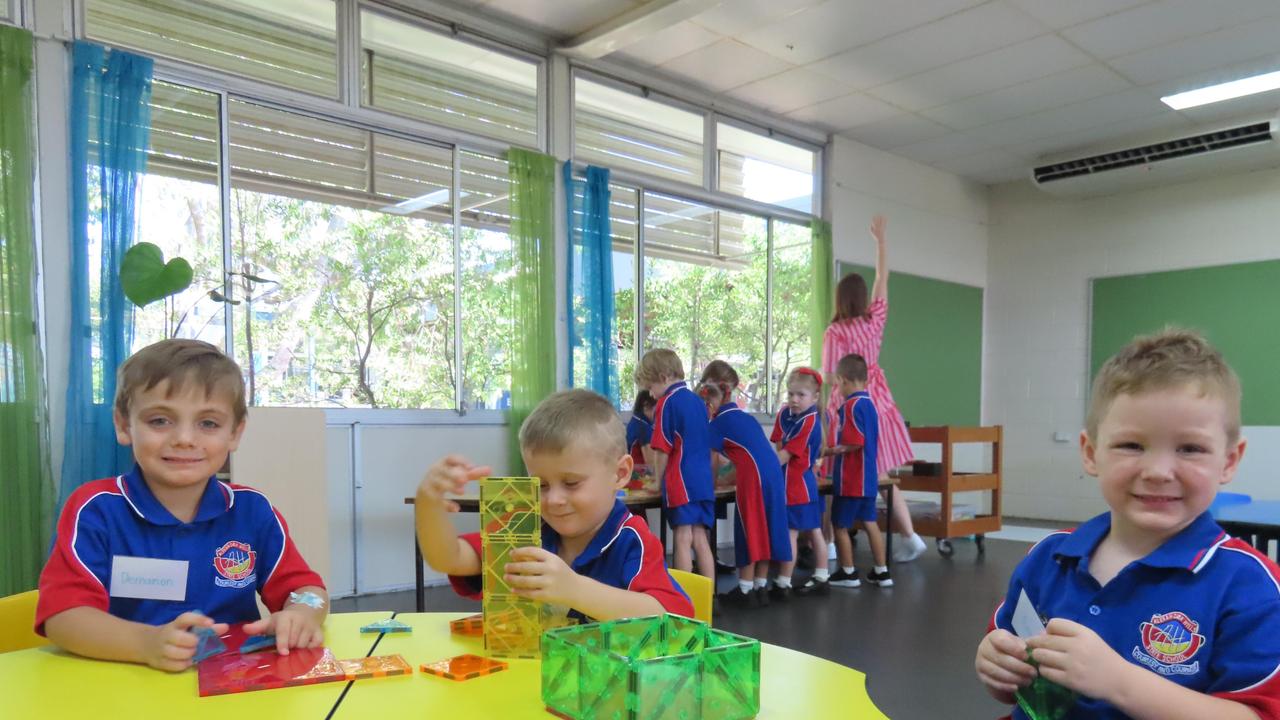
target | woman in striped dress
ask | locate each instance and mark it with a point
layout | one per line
(859, 328)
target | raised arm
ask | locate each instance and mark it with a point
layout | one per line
(880, 290)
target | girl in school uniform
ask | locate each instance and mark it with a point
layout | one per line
(760, 531)
(639, 430)
(858, 328)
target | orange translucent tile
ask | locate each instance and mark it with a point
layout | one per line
(464, 667)
(470, 625)
(375, 667)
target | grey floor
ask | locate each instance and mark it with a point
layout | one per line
(915, 642)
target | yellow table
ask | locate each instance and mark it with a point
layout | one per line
(793, 684)
(47, 682)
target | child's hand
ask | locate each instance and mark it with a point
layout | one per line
(878, 224)
(449, 476)
(1002, 666)
(1073, 656)
(542, 575)
(296, 626)
(170, 647)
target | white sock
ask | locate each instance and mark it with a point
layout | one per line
(822, 573)
(744, 586)
(783, 581)
(761, 582)
(850, 569)
(881, 569)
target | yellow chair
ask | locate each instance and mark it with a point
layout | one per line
(17, 617)
(700, 590)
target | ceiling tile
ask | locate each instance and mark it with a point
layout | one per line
(1096, 112)
(1126, 133)
(1059, 14)
(725, 64)
(844, 112)
(898, 130)
(1246, 109)
(669, 44)
(984, 162)
(1201, 53)
(1028, 60)
(942, 148)
(1063, 88)
(962, 35)
(790, 90)
(1154, 24)
(561, 18)
(837, 25)
(739, 16)
(1002, 175)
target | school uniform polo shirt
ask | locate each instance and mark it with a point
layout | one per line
(623, 554)
(1202, 610)
(801, 435)
(680, 430)
(236, 547)
(639, 431)
(857, 423)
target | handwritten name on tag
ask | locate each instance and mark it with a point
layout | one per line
(148, 578)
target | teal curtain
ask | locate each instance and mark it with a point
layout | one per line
(110, 123)
(589, 282)
(533, 352)
(27, 508)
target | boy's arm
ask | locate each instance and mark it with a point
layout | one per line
(93, 633)
(441, 547)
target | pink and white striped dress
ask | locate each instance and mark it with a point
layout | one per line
(863, 336)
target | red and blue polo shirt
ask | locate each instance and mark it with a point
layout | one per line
(639, 431)
(236, 548)
(857, 423)
(1199, 611)
(801, 435)
(623, 554)
(680, 430)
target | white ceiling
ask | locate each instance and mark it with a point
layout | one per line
(981, 88)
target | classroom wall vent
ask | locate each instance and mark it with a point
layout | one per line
(1224, 150)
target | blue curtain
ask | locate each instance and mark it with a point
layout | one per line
(110, 126)
(590, 282)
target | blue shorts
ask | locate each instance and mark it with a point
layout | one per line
(845, 511)
(695, 512)
(807, 516)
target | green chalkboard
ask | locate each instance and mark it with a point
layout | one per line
(1237, 307)
(932, 352)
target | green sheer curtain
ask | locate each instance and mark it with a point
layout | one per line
(533, 352)
(824, 263)
(27, 507)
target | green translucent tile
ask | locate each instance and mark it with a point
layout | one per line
(655, 668)
(512, 626)
(510, 506)
(509, 519)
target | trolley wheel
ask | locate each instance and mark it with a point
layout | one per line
(981, 541)
(944, 547)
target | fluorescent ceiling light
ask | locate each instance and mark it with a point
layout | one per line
(1223, 91)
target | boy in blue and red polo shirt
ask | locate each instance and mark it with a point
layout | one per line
(597, 561)
(640, 430)
(1153, 612)
(797, 431)
(854, 473)
(141, 559)
(682, 462)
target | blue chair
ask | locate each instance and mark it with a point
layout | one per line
(1226, 499)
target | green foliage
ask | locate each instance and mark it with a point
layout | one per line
(145, 277)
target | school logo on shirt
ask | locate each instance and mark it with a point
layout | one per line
(235, 562)
(1168, 642)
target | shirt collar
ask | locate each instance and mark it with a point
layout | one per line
(726, 408)
(857, 393)
(1187, 550)
(217, 499)
(604, 537)
(673, 387)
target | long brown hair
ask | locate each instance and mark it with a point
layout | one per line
(723, 376)
(851, 298)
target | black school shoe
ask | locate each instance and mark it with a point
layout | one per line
(778, 593)
(840, 578)
(881, 579)
(762, 597)
(813, 586)
(735, 598)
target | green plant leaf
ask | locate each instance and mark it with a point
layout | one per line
(145, 277)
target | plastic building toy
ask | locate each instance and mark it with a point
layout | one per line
(649, 669)
(209, 644)
(254, 643)
(233, 673)
(375, 667)
(389, 625)
(509, 519)
(464, 667)
(470, 625)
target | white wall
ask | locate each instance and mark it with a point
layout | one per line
(1043, 252)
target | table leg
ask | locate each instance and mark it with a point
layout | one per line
(888, 529)
(419, 582)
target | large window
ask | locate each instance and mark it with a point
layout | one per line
(792, 301)
(289, 43)
(488, 268)
(758, 167)
(620, 129)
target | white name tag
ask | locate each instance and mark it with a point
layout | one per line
(148, 578)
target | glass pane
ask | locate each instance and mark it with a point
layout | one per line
(291, 43)
(612, 128)
(488, 266)
(425, 75)
(761, 168)
(792, 298)
(182, 214)
(713, 306)
(343, 271)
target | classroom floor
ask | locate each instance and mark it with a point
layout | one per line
(915, 641)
